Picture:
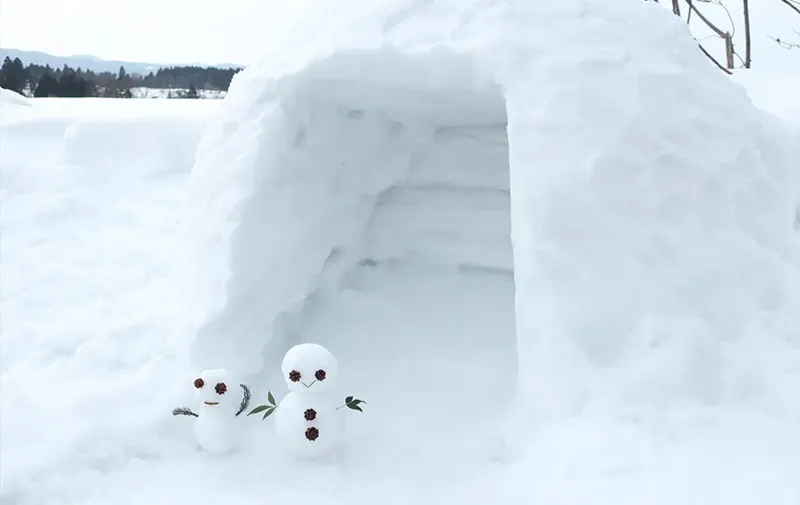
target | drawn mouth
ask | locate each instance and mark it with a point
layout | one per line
(211, 403)
(308, 385)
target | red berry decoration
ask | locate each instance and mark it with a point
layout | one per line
(198, 383)
(312, 433)
(221, 388)
(310, 414)
(320, 375)
(294, 376)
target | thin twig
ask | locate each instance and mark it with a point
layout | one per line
(728, 13)
(792, 5)
(705, 19)
(786, 45)
(714, 60)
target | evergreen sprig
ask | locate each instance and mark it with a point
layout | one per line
(266, 409)
(183, 411)
(245, 399)
(352, 403)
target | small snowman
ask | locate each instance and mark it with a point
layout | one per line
(307, 420)
(215, 428)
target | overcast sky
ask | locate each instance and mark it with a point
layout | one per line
(203, 31)
(154, 31)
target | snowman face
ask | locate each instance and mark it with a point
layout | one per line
(309, 368)
(215, 389)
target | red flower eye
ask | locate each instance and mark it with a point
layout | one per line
(294, 376)
(221, 388)
(320, 375)
(198, 383)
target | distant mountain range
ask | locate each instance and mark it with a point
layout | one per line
(89, 62)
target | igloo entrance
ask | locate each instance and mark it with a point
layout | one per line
(422, 318)
(394, 197)
(423, 323)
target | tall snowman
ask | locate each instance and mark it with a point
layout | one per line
(307, 419)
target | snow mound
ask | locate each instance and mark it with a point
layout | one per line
(119, 148)
(9, 100)
(648, 210)
(8, 97)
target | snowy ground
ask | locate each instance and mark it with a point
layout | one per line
(88, 231)
(91, 194)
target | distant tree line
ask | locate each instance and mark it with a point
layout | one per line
(45, 81)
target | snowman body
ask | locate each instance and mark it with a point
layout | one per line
(216, 432)
(309, 424)
(216, 428)
(307, 420)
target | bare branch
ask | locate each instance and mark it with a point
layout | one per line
(705, 19)
(718, 64)
(727, 12)
(786, 45)
(792, 5)
(729, 52)
(747, 41)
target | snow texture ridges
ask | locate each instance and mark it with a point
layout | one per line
(652, 205)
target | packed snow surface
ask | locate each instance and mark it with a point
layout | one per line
(549, 244)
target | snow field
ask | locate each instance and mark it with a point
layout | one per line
(619, 260)
(86, 248)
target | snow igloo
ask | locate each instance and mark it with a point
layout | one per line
(522, 210)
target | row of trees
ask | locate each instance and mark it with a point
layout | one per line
(732, 54)
(45, 81)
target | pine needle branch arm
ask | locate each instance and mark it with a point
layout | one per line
(245, 399)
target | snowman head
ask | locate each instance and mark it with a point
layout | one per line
(309, 368)
(216, 389)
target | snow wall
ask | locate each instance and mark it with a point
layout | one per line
(651, 204)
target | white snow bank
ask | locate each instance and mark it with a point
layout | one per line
(117, 148)
(101, 140)
(8, 97)
(11, 102)
(656, 269)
